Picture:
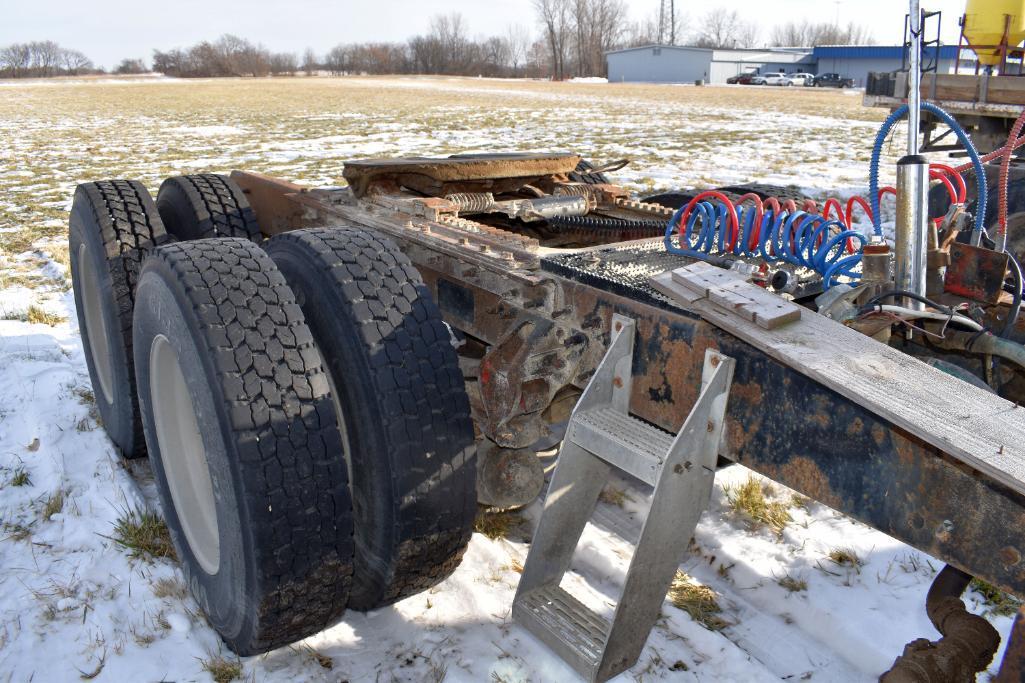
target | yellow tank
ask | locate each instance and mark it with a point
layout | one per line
(984, 25)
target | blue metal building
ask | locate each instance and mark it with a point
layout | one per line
(856, 61)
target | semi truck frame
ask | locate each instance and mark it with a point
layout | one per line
(529, 260)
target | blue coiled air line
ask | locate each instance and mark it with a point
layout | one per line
(804, 239)
(801, 239)
(877, 150)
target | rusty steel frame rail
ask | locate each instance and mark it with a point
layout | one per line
(546, 332)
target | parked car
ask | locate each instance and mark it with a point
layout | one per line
(801, 78)
(833, 81)
(778, 79)
(742, 79)
(757, 79)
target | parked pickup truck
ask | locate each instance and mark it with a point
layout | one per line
(831, 81)
(742, 79)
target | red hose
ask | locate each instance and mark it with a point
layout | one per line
(1005, 167)
(832, 205)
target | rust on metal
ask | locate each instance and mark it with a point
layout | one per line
(273, 201)
(966, 648)
(544, 333)
(1012, 667)
(494, 173)
(976, 273)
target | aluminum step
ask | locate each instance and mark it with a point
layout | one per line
(566, 625)
(603, 437)
(624, 441)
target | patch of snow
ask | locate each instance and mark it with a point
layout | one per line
(208, 131)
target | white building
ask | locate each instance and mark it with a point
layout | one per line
(675, 64)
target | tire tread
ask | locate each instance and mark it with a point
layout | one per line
(295, 485)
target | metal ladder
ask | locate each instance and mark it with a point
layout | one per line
(602, 435)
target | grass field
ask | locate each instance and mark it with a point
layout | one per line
(776, 586)
(56, 134)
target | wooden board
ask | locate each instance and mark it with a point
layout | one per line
(723, 288)
(972, 425)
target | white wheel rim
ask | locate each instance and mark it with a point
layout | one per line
(182, 454)
(95, 325)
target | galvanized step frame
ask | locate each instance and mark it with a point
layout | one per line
(603, 435)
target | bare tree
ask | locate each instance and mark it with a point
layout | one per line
(74, 62)
(807, 34)
(310, 62)
(42, 59)
(283, 64)
(46, 57)
(131, 66)
(723, 28)
(16, 60)
(556, 17)
(519, 40)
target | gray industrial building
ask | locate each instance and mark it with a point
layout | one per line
(675, 64)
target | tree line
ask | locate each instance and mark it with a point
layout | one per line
(575, 35)
(42, 59)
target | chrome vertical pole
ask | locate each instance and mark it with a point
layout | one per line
(914, 76)
(911, 232)
(911, 229)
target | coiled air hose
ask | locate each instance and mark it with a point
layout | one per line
(770, 233)
(962, 136)
(801, 237)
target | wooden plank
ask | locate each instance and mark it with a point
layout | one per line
(663, 282)
(972, 425)
(730, 290)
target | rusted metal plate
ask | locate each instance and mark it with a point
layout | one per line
(434, 175)
(273, 200)
(976, 273)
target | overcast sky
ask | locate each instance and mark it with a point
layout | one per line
(108, 30)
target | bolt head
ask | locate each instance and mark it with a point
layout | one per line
(715, 361)
(617, 382)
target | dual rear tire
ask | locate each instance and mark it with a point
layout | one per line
(304, 414)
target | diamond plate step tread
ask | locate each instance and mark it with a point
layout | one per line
(566, 625)
(638, 448)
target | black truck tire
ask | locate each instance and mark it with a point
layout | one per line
(403, 407)
(113, 224)
(244, 443)
(206, 205)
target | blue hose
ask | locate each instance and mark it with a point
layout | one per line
(877, 150)
(800, 239)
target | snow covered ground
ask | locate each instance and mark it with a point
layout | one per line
(824, 599)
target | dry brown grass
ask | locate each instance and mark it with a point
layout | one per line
(144, 534)
(86, 129)
(749, 499)
(171, 587)
(223, 670)
(496, 524)
(54, 504)
(700, 602)
(845, 557)
(37, 315)
(792, 584)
